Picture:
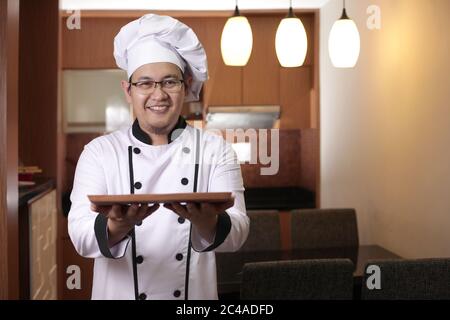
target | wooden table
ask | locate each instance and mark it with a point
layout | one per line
(230, 265)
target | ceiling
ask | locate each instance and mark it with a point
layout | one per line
(197, 5)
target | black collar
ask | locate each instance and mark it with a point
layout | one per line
(142, 136)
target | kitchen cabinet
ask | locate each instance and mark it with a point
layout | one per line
(43, 265)
(37, 243)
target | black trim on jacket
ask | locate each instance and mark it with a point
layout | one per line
(142, 136)
(132, 232)
(222, 230)
(101, 234)
(188, 260)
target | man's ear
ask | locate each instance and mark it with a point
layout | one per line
(126, 87)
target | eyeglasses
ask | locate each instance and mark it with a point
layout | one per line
(149, 86)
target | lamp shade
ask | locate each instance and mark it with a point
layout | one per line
(344, 43)
(237, 41)
(291, 42)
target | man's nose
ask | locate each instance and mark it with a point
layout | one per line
(158, 92)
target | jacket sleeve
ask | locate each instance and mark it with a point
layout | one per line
(233, 225)
(88, 229)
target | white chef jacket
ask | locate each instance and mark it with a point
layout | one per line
(156, 260)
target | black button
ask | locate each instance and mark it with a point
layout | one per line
(142, 296)
(186, 150)
(184, 181)
(139, 259)
(138, 223)
(137, 150)
(138, 185)
(179, 256)
(181, 220)
(177, 293)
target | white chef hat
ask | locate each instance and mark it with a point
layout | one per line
(153, 38)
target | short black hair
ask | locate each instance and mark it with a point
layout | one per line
(129, 84)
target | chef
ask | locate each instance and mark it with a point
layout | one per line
(152, 251)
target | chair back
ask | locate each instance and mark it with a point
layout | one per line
(407, 279)
(264, 231)
(321, 279)
(324, 228)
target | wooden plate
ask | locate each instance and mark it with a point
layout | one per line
(213, 197)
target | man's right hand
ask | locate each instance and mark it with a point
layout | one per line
(122, 218)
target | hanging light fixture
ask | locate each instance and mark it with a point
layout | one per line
(344, 42)
(237, 40)
(291, 41)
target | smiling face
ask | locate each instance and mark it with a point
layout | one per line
(157, 112)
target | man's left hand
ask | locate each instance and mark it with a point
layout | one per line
(203, 216)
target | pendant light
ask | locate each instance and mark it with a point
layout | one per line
(291, 41)
(237, 40)
(344, 42)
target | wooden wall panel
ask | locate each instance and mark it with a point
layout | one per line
(261, 74)
(71, 257)
(309, 157)
(295, 98)
(308, 21)
(315, 105)
(224, 86)
(75, 143)
(91, 47)
(285, 230)
(38, 70)
(39, 84)
(9, 70)
(289, 171)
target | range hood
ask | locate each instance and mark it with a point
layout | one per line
(242, 117)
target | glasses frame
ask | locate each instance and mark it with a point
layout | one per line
(155, 84)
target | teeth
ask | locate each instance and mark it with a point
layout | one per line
(157, 108)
